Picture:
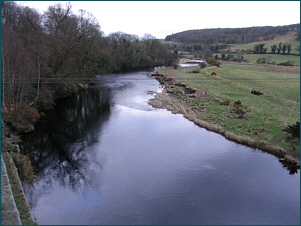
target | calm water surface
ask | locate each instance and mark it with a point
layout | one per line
(107, 157)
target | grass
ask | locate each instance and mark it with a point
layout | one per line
(277, 58)
(169, 42)
(285, 40)
(17, 190)
(265, 115)
(281, 84)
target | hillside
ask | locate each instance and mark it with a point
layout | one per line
(233, 35)
(289, 38)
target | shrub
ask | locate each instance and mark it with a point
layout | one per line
(237, 103)
(21, 119)
(194, 71)
(23, 165)
(293, 130)
(288, 63)
(213, 73)
(226, 101)
(237, 109)
(213, 62)
(261, 60)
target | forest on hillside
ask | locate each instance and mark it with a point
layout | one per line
(51, 55)
(232, 35)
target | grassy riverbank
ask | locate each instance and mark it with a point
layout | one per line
(258, 121)
(17, 190)
(10, 154)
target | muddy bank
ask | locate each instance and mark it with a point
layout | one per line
(177, 97)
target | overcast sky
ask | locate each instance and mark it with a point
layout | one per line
(161, 18)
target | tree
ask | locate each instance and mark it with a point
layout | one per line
(261, 48)
(284, 47)
(293, 130)
(16, 67)
(257, 49)
(43, 57)
(288, 48)
(279, 48)
(147, 36)
(273, 48)
(208, 53)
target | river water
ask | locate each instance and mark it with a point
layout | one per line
(107, 157)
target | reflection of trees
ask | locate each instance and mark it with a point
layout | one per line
(292, 168)
(61, 148)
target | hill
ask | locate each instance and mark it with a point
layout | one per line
(233, 35)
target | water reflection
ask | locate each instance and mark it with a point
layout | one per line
(61, 148)
(107, 157)
(292, 168)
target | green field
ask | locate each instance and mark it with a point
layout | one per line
(277, 58)
(168, 42)
(289, 40)
(272, 58)
(266, 115)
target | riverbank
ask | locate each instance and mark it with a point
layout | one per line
(15, 209)
(193, 103)
(9, 212)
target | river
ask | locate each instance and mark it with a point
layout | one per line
(105, 156)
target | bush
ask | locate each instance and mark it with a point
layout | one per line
(213, 73)
(226, 101)
(260, 60)
(288, 63)
(194, 71)
(21, 119)
(238, 110)
(293, 130)
(237, 103)
(213, 62)
(23, 165)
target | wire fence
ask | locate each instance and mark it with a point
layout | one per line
(241, 81)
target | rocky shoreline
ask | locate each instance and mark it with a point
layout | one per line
(174, 101)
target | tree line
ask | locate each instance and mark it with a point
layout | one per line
(44, 56)
(232, 35)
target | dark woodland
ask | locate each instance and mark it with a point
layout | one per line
(51, 55)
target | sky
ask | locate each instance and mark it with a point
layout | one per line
(162, 18)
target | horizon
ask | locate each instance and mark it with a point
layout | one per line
(166, 17)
